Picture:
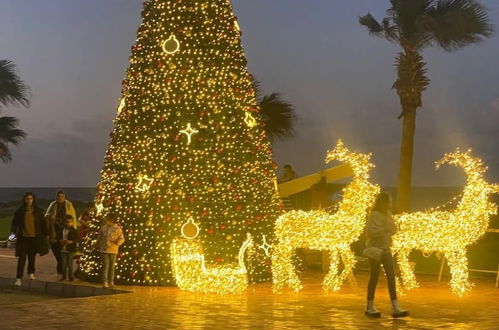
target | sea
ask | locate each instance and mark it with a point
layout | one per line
(82, 194)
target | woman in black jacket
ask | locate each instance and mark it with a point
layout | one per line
(30, 227)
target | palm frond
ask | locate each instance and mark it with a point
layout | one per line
(13, 91)
(9, 134)
(278, 116)
(455, 24)
(371, 24)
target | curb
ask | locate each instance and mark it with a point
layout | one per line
(58, 289)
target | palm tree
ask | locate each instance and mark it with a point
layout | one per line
(415, 25)
(14, 92)
(278, 115)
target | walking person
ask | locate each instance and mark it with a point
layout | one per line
(380, 229)
(30, 227)
(108, 242)
(68, 239)
(55, 215)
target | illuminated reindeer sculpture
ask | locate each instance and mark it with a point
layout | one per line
(320, 230)
(448, 232)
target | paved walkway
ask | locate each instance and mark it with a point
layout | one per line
(432, 307)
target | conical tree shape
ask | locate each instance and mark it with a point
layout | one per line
(187, 143)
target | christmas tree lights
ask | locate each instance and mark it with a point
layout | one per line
(188, 143)
(320, 230)
(448, 232)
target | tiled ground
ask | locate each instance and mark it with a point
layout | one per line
(432, 307)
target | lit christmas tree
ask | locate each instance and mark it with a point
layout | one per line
(187, 144)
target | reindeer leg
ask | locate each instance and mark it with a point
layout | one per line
(458, 264)
(283, 271)
(348, 259)
(331, 280)
(408, 277)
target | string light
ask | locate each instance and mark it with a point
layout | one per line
(122, 105)
(250, 120)
(320, 230)
(186, 66)
(448, 232)
(193, 274)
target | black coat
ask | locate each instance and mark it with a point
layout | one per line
(41, 230)
(72, 236)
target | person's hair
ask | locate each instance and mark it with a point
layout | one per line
(26, 194)
(111, 217)
(287, 166)
(383, 198)
(60, 192)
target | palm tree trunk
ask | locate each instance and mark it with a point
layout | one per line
(410, 85)
(406, 156)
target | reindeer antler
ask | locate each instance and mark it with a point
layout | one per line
(360, 163)
(495, 188)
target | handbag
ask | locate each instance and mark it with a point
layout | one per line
(42, 245)
(373, 253)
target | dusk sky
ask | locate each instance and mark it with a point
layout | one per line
(73, 55)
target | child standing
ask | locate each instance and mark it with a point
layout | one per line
(68, 238)
(108, 242)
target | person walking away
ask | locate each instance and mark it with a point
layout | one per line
(30, 228)
(108, 242)
(380, 229)
(56, 215)
(68, 240)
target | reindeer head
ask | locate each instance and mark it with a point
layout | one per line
(472, 166)
(360, 163)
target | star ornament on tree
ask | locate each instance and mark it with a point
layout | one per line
(189, 132)
(265, 246)
(99, 208)
(144, 183)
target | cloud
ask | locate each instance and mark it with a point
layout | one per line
(59, 161)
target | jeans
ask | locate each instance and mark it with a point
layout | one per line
(108, 264)
(26, 248)
(67, 264)
(56, 250)
(374, 265)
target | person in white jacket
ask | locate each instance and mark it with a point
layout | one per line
(108, 242)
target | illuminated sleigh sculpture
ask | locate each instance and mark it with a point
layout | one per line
(320, 230)
(448, 232)
(193, 274)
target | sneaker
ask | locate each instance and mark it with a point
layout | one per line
(32, 276)
(397, 313)
(105, 284)
(62, 279)
(18, 282)
(373, 314)
(111, 284)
